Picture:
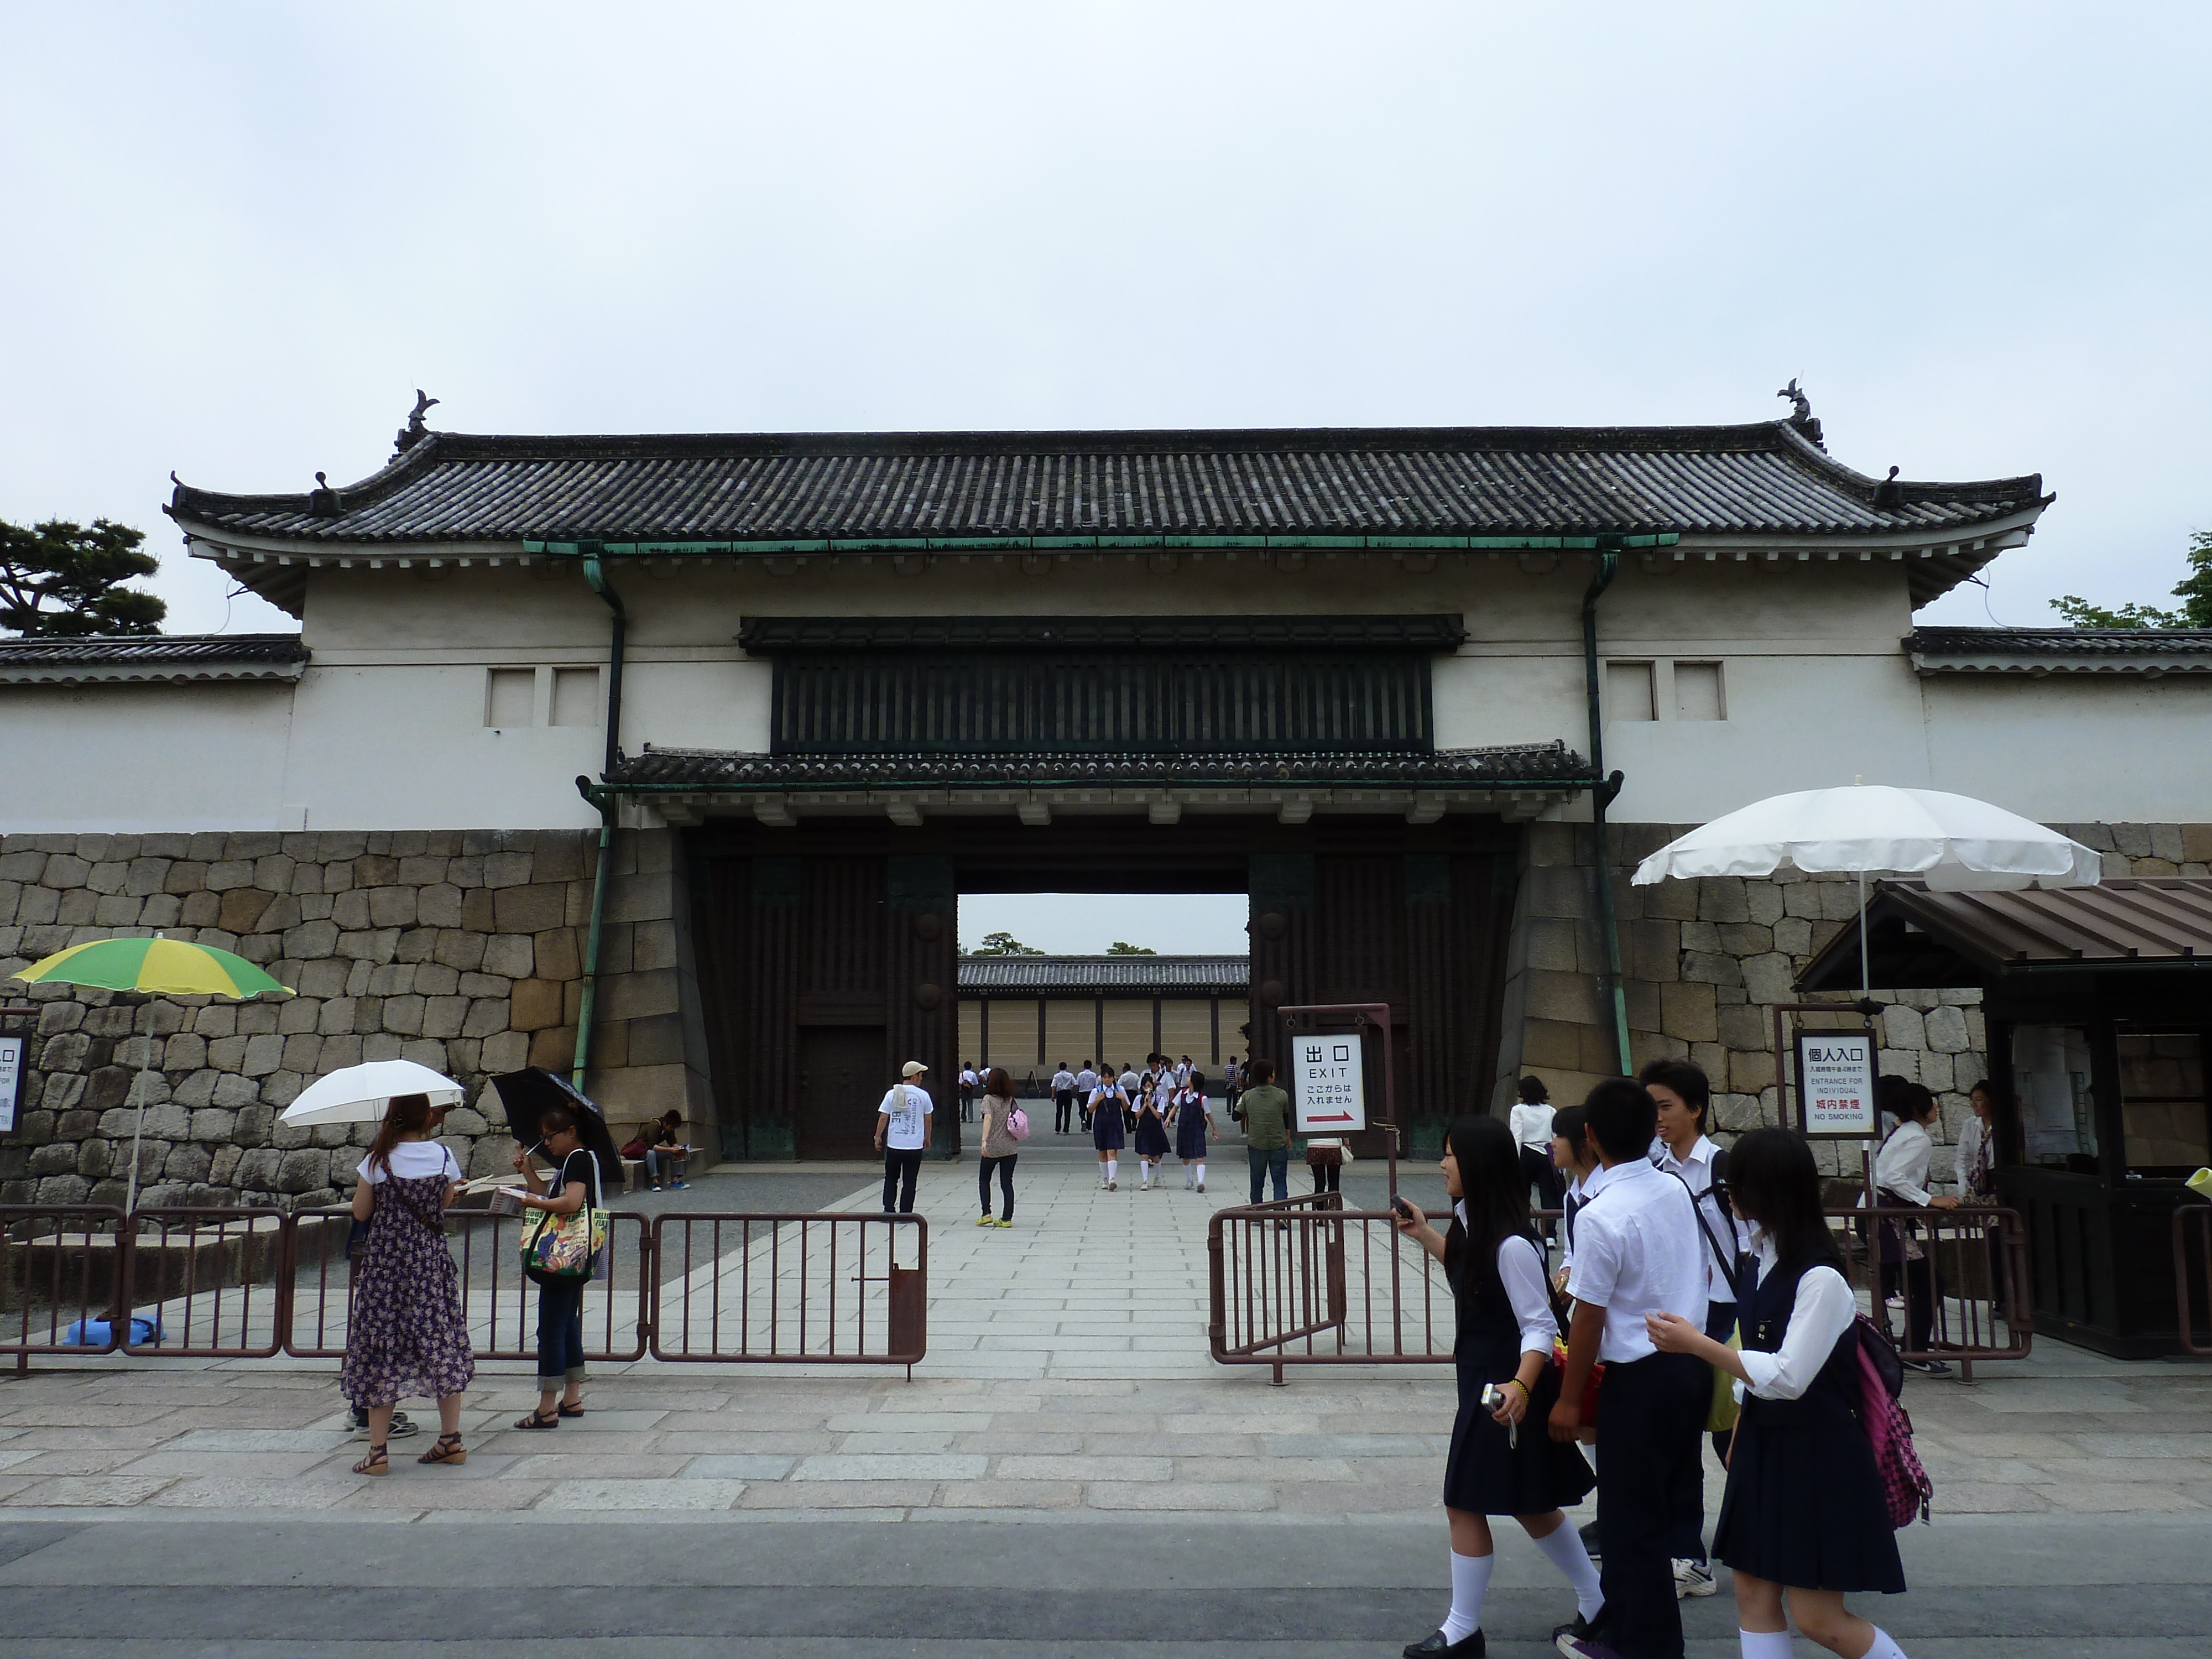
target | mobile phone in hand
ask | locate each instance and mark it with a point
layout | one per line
(1402, 1208)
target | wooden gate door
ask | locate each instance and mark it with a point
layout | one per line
(841, 1081)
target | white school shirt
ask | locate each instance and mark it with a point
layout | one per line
(1697, 1173)
(1182, 1072)
(1062, 1081)
(1521, 1269)
(1104, 1095)
(411, 1160)
(1822, 1311)
(1531, 1125)
(1086, 1080)
(1901, 1165)
(908, 1109)
(1637, 1251)
(1129, 1081)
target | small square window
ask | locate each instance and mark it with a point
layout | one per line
(509, 694)
(575, 696)
(1698, 691)
(1628, 691)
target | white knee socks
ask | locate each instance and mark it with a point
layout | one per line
(1200, 1168)
(1112, 1164)
(1764, 1643)
(1470, 1575)
(1562, 1547)
(1883, 1647)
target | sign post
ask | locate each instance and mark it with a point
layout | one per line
(1833, 1072)
(1328, 1075)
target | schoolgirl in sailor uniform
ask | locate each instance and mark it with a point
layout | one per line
(1502, 1461)
(1803, 1515)
(1105, 1106)
(1153, 1108)
(1190, 1118)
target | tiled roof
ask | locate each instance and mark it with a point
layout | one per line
(1217, 976)
(728, 769)
(1764, 478)
(159, 657)
(2038, 651)
(1923, 940)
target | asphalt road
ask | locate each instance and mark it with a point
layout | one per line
(2037, 1590)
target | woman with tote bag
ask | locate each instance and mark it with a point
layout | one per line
(578, 1184)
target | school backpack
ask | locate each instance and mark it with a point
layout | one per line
(1906, 1489)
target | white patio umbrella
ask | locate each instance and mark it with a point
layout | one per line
(363, 1094)
(1955, 843)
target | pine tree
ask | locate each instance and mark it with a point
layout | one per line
(60, 580)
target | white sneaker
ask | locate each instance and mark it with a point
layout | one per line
(1111, 1185)
(1693, 1578)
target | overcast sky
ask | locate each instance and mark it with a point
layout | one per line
(239, 236)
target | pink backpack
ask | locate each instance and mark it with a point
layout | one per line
(1905, 1488)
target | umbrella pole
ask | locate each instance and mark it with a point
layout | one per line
(1866, 976)
(138, 1130)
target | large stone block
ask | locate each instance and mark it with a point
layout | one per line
(439, 905)
(1571, 998)
(349, 910)
(302, 1052)
(435, 979)
(1946, 1029)
(1688, 1010)
(403, 1015)
(530, 909)
(64, 871)
(1904, 1027)
(535, 1006)
(242, 908)
(509, 954)
(1742, 1026)
(442, 1017)
(1746, 939)
(506, 869)
(647, 897)
(376, 946)
(460, 951)
(257, 1019)
(1711, 970)
(558, 954)
(1562, 893)
(392, 906)
(1720, 898)
(234, 1091)
(311, 940)
(554, 1048)
(1551, 945)
(416, 944)
(300, 1014)
(486, 1017)
(1767, 979)
(264, 1055)
(507, 1051)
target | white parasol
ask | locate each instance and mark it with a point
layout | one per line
(1955, 843)
(363, 1094)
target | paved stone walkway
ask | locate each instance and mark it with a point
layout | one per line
(1067, 1379)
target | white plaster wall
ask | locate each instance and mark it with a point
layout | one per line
(136, 757)
(2075, 749)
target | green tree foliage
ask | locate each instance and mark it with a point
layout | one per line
(1004, 945)
(60, 580)
(2194, 591)
(1123, 948)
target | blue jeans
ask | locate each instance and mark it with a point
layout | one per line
(1270, 1160)
(559, 1333)
(654, 1155)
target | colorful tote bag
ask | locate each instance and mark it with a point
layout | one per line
(563, 1248)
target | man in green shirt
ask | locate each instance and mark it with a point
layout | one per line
(1266, 1129)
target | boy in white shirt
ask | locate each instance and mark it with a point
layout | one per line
(1637, 1251)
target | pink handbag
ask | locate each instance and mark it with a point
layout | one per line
(1018, 1123)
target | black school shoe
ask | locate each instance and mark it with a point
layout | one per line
(1433, 1646)
(1578, 1627)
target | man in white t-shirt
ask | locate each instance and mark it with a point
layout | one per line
(1636, 1251)
(1087, 1085)
(901, 1132)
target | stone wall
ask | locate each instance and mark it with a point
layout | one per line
(1706, 961)
(461, 949)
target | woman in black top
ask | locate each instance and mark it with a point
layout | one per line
(577, 1183)
(1502, 1461)
(1804, 1514)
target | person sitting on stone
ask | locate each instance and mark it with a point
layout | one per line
(662, 1146)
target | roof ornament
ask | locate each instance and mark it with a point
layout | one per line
(1889, 492)
(1800, 412)
(322, 500)
(416, 430)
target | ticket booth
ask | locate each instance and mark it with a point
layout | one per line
(2099, 1006)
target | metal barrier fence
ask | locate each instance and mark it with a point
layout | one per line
(1302, 1282)
(767, 1289)
(2188, 1218)
(77, 1281)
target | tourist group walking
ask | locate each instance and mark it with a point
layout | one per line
(1701, 1292)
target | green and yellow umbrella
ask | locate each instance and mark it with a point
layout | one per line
(166, 967)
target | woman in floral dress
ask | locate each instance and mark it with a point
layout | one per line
(405, 1334)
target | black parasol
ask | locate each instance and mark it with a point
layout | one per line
(526, 1096)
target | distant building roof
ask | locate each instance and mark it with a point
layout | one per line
(2040, 651)
(111, 659)
(1917, 939)
(1106, 975)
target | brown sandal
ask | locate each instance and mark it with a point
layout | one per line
(375, 1463)
(537, 1420)
(448, 1450)
(570, 1411)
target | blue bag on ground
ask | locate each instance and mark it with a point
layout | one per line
(92, 1332)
